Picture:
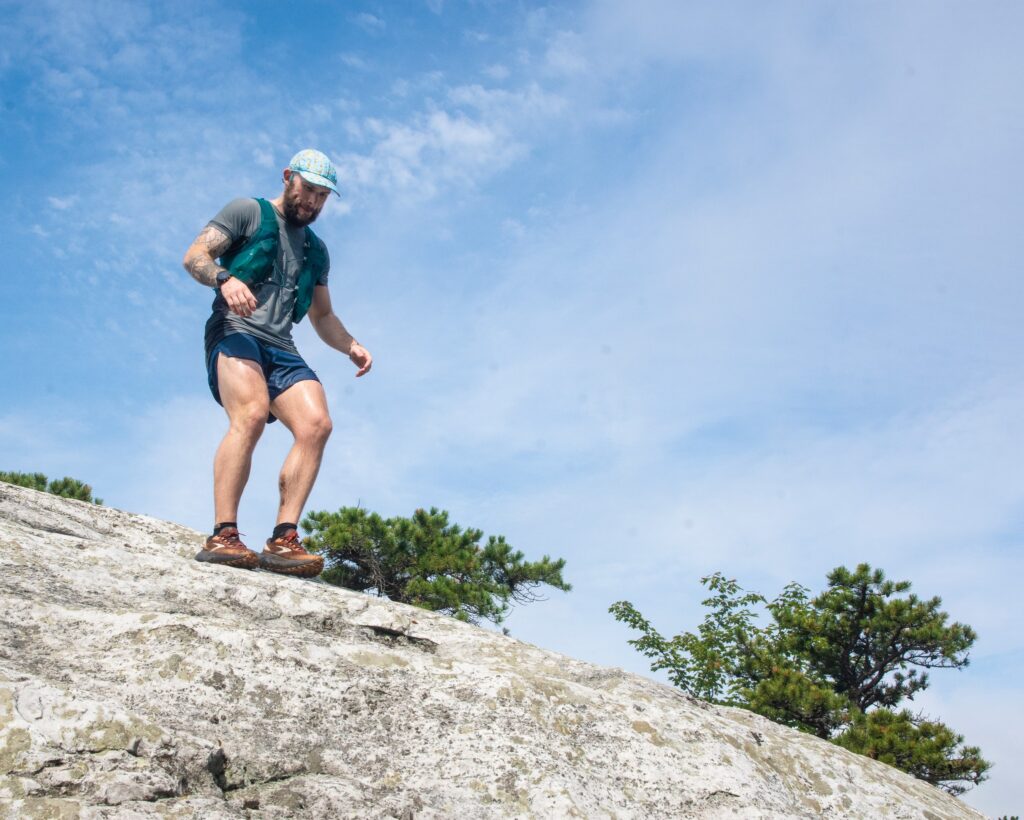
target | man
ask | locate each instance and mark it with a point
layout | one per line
(272, 271)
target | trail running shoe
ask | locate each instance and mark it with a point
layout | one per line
(227, 548)
(287, 556)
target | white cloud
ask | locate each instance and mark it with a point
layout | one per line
(565, 55)
(775, 332)
(369, 22)
(355, 61)
(514, 228)
(497, 72)
(263, 157)
(526, 106)
(62, 203)
(439, 147)
(460, 134)
(336, 207)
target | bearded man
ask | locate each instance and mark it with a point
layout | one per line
(270, 270)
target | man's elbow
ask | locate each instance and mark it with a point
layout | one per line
(318, 311)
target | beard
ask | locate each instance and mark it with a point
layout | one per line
(295, 214)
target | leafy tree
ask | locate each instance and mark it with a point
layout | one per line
(66, 487)
(705, 664)
(835, 665)
(426, 561)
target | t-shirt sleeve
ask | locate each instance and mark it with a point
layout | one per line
(239, 219)
(322, 280)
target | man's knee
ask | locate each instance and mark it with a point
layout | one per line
(250, 420)
(315, 429)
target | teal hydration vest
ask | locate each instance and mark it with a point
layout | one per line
(253, 262)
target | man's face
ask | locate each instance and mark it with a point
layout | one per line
(303, 201)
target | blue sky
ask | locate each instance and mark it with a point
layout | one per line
(661, 288)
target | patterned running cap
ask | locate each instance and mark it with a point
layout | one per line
(313, 166)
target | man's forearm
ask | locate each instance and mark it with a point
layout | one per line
(200, 258)
(333, 332)
(203, 269)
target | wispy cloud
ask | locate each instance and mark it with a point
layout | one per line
(497, 72)
(369, 22)
(355, 61)
(565, 55)
(481, 134)
(649, 289)
(62, 203)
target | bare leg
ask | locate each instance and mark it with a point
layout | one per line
(302, 408)
(243, 392)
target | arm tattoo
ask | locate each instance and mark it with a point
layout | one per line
(201, 256)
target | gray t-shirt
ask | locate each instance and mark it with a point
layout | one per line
(271, 322)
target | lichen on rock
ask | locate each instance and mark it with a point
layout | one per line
(135, 682)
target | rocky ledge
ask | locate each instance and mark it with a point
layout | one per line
(135, 682)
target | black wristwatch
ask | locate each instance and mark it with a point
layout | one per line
(222, 277)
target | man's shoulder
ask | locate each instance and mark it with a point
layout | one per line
(239, 218)
(246, 205)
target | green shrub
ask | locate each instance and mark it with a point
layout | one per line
(66, 487)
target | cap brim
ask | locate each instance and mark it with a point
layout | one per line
(316, 179)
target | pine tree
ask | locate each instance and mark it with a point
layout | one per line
(34, 481)
(66, 487)
(426, 561)
(836, 665)
(927, 749)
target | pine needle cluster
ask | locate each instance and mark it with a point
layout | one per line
(66, 487)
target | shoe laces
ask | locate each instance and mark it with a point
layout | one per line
(291, 542)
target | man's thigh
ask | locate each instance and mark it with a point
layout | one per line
(241, 384)
(303, 404)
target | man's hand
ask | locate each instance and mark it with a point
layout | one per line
(329, 328)
(361, 358)
(238, 296)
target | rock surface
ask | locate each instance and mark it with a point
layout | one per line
(135, 682)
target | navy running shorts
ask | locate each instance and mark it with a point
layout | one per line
(281, 368)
